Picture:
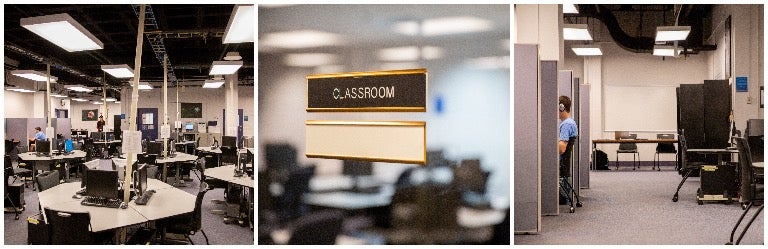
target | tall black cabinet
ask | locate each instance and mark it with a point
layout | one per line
(702, 115)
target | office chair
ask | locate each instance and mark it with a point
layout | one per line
(291, 202)
(470, 180)
(686, 168)
(47, 179)
(566, 189)
(752, 189)
(664, 148)
(17, 173)
(317, 228)
(72, 228)
(187, 224)
(630, 148)
(8, 172)
(228, 155)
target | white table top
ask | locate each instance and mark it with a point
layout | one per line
(217, 150)
(180, 157)
(166, 202)
(108, 142)
(476, 218)
(227, 173)
(348, 200)
(30, 156)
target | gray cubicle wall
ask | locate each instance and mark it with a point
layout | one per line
(526, 119)
(585, 150)
(550, 173)
(568, 87)
(22, 128)
(62, 126)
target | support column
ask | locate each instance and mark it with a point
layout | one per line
(230, 96)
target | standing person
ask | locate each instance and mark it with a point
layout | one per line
(100, 124)
(567, 127)
(39, 135)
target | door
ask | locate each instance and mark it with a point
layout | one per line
(147, 123)
(62, 113)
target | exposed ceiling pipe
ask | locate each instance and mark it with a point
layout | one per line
(44, 60)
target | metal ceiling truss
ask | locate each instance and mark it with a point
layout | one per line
(156, 40)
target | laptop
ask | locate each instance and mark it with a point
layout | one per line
(618, 134)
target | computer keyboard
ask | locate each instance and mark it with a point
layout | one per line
(100, 202)
(80, 192)
(143, 199)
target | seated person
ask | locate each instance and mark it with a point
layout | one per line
(39, 135)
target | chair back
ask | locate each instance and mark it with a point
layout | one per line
(146, 159)
(469, 176)
(745, 169)
(565, 159)
(69, 228)
(8, 172)
(628, 146)
(228, 155)
(292, 203)
(47, 180)
(665, 147)
(211, 160)
(197, 222)
(318, 228)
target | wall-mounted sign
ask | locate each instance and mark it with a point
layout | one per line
(378, 141)
(380, 91)
(742, 84)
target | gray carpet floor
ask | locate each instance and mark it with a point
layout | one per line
(628, 207)
(218, 232)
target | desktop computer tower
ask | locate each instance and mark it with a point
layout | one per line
(719, 181)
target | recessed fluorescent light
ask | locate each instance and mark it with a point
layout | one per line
(309, 59)
(143, 86)
(117, 102)
(587, 50)
(58, 96)
(410, 53)
(33, 75)
(399, 65)
(576, 32)
(431, 53)
(300, 39)
(240, 26)
(118, 71)
(672, 33)
(493, 62)
(570, 9)
(80, 100)
(97, 103)
(79, 88)
(62, 30)
(663, 50)
(19, 89)
(109, 99)
(213, 83)
(443, 26)
(225, 67)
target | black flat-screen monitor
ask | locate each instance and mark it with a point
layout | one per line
(213, 123)
(42, 147)
(229, 141)
(155, 148)
(189, 137)
(97, 136)
(140, 180)
(102, 184)
(357, 168)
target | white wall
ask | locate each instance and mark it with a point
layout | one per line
(19, 105)
(76, 115)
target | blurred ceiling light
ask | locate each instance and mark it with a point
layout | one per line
(80, 100)
(327, 69)
(240, 26)
(672, 33)
(410, 53)
(443, 26)
(577, 32)
(399, 65)
(492, 62)
(309, 59)
(97, 103)
(33, 75)
(233, 56)
(225, 67)
(570, 9)
(56, 95)
(62, 30)
(118, 71)
(300, 39)
(19, 89)
(79, 88)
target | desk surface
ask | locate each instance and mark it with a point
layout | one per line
(348, 200)
(637, 141)
(168, 201)
(30, 156)
(227, 173)
(712, 151)
(217, 150)
(180, 157)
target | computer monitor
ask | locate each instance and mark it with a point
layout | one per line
(618, 134)
(68, 146)
(213, 123)
(357, 168)
(229, 141)
(189, 126)
(140, 179)
(155, 148)
(97, 136)
(102, 184)
(42, 147)
(189, 137)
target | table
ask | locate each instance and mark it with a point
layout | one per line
(180, 157)
(217, 150)
(227, 173)
(616, 141)
(167, 201)
(32, 157)
(348, 200)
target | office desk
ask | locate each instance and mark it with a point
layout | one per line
(227, 173)
(616, 141)
(180, 157)
(39, 165)
(217, 150)
(168, 201)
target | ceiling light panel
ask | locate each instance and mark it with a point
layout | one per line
(309, 59)
(410, 53)
(240, 26)
(587, 50)
(78, 88)
(62, 30)
(118, 71)
(493, 62)
(33, 75)
(672, 33)
(576, 32)
(570, 9)
(225, 67)
(213, 83)
(443, 26)
(80, 100)
(300, 39)
(660, 50)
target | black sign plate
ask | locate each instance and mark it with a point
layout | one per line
(381, 91)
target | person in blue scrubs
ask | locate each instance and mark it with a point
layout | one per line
(39, 135)
(567, 127)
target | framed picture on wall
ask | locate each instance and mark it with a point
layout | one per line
(91, 115)
(191, 110)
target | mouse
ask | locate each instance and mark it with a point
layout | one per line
(123, 205)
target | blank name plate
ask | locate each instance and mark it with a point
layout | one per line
(378, 141)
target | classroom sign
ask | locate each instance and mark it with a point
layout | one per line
(380, 91)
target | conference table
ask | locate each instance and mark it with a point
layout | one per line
(39, 161)
(595, 142)
(166, 202)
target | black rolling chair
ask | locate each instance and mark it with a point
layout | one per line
(686, 168)
(630, 148)
(9, 172)
(752, 188)
(47, 180)
(70, 228)
(228, 155)
(566, 189)
(470, 180)
(187, 224)
(318, 228)
(291, 203)
(664, 148)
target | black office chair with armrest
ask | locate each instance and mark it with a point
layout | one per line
(566, 189)
(664, 148)
(71, 228)
(752, 189)
(630, 148)
(47, 180)
(187, 224)
(19, 172)
(8, 172)
(291, 203)
(317, 228)
(686, 168)
(470, 180)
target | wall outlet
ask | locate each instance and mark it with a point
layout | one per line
(749, 100)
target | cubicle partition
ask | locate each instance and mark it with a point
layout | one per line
(550, 173)
(526, 164)
(569, 87)
(584, 140)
